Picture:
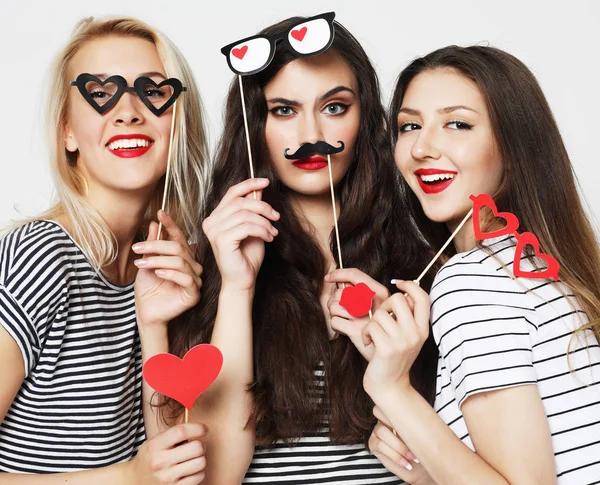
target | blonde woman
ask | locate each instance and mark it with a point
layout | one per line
(74, 327)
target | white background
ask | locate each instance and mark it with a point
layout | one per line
(559, 41)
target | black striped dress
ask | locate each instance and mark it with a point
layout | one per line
(79, 406)
(314, 459)
(495, 331)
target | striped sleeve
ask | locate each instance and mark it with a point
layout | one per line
(16, 322)
(483, 325)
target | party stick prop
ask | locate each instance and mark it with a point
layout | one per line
(356, 300)
(184, 379)
(512, 224)
(164, 201)
(251, 55)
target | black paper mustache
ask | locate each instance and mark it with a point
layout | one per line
(307, 149)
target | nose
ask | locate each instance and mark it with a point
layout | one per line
(425, 146)
(309, 129)
(128, 110)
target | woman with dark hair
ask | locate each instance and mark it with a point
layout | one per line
(290, 393)
(518, 395)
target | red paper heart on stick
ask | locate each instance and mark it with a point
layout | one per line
(184, 379)
(512, 223)
(299, 34)
(357, 299)
(530, 238)
(241, 52)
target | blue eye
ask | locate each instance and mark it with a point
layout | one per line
(282, 111)
(336, 108)
(405, 127)
(459, 125)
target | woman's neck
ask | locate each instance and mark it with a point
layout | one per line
(124, 214)
(465, 238)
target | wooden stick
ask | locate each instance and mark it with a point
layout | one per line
(464, 221)
(164, 201)
(186, 416)
(247, 129)
(335, 221)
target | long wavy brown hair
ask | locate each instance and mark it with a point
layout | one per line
(538, 184)
(290, 332)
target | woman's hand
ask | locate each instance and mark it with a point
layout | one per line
(341, 321)
(393, 453)
(237, 230)
(175, 456)
(397, 332)
(168, 280)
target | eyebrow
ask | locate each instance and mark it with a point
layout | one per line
(328, 94)
(105, 76)
(448, 109)
(334, 91)
(285, 101)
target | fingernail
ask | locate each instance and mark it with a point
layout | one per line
(397, 282)
(140, 262)
(275, 213)
(327, 277)
(410, 456)
(416, 460)
(137, 246)
(405, 464)
(160, 272)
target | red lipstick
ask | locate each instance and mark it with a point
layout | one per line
(129, 152)
(434, 186)
(314, 162)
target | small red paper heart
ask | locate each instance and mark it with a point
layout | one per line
(512, 223)
(299, 34)
(530, 238)
(357, 299)
(184, 379)
(241, 52)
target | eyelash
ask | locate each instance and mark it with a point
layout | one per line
(465, 125)
(276, 110)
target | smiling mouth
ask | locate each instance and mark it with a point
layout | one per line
(433, 181)
(129, 144)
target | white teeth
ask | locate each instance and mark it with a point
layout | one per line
(128, 143)
(437, 176)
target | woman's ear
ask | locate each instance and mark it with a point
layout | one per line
(70, 141)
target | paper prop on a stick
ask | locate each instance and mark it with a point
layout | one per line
(307, 38)
(253, 54)
(357, 300)
(511, 226)
(184, 379)
(102, 95)
(523, 239)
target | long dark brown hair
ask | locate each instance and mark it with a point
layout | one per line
(538, 184)
(290, 333)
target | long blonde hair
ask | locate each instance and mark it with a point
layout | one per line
(189, 150)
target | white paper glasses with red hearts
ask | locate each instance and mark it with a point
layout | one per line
(307, 38)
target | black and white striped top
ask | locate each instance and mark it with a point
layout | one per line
(495, 331)
(315, 460)
(79, 406)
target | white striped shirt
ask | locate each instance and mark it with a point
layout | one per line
(495, 331)
(315, 460)
(79, 406)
